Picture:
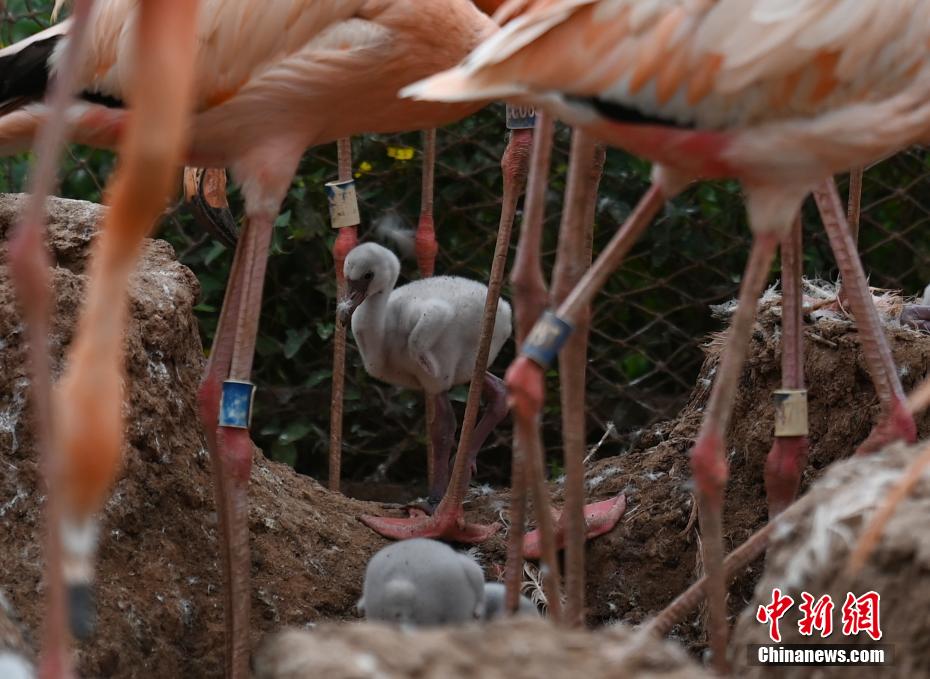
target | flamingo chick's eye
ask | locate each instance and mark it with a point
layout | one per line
(369, 276)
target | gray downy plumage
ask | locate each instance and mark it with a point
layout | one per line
(422, 335)
(423, 583)
(494, 597)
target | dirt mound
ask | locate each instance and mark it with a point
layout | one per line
(159, 577)
(653, 555)
(158, 573)
(811, 554)
(505, 650)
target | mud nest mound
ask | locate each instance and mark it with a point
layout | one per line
(811, 554)
(159, 582)
(505, 650)
(158, 575)
(654, 553)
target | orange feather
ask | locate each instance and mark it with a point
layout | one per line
(702, 82)
(650, 58)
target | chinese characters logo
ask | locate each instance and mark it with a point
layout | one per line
(859, 614)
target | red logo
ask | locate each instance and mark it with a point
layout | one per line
(860, 614)
(818, 615)
(774, 612)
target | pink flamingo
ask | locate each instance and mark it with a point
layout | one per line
(81, 423)
(778, 96)
(270, 81)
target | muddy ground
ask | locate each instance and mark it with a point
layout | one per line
(158, 572)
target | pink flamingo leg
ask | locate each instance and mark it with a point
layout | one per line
(426, 248)
(227, 376)
(788, 456)
(425, 241)
(708, 459)
(346, 239)
(525, 376)
(448, 521)
(897, 422)
(529, 302)
(29, 267)
(574, 256)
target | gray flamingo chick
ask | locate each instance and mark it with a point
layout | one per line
(422, 582)
(424, 335)
(494, 598)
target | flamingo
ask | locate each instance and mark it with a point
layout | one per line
(779, 97)
(270, 80)
(495, 603)
(81, 423)
(424, 335)
(422, 582)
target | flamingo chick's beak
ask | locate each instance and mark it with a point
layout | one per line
(357, 291)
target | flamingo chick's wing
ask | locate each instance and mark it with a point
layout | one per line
(442, 316)
(431, 318)
(704, 63)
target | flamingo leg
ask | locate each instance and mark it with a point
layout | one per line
(495, 410)
(525, 377)
(87, 406)
(854, 205)
(529, 302)
(442, 435)
(788, 455)
(425, 240)
(345, 241)
(225, 396)
(708, 459)
(426, 249)
(448, 521)
(29, 267)
(527, 433)
(233, 446)
(572, 259)
(217, 369)
(898, 422)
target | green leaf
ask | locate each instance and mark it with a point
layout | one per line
(216, 249)
(284, 453)
(283, 220)
(295, 340)
(325, 329)
(294, 432)
(318, 377)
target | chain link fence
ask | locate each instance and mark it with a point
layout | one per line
(649, 323)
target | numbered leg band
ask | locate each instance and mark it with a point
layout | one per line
(790, 412)
(521, 117)
(547, 338)
(343, 203)
(236, 404)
